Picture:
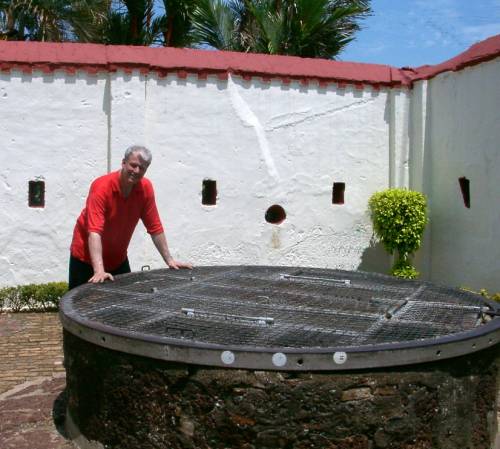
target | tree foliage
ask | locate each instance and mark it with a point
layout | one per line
(51, 20)
(148, 22)
(309, 28)
(399, 217)
(130, 22)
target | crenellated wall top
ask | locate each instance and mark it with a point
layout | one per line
(94, 58)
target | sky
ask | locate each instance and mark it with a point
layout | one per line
(411, 33)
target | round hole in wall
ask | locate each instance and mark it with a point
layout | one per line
(275, 214)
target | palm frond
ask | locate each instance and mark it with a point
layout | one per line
(214, 25)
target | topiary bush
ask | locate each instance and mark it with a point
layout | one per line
(39, 297)
(399, 217)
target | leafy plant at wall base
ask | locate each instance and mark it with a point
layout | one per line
(492, 296)
(484, 292)
(33, 296)
(399, 217)
(404, 269)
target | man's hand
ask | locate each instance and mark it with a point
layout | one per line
(175, 264)
(95, 249)
(161, 244)
(101, 276)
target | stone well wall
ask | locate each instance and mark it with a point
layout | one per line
(125, 401)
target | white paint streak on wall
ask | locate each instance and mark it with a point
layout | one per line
(399, 138)
(418, 161)
(298, 117)
(418, 131)
(247, 116)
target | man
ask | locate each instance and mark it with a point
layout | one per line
(102, 233)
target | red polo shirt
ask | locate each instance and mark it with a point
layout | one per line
(114, 217)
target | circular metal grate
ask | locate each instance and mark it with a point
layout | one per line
(280, 318)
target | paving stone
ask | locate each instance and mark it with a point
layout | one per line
(32, 382)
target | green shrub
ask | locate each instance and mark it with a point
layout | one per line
(404, 269)
(5, 294)
(42, 297)
(399, 217)
(495, 297)
(485, 293)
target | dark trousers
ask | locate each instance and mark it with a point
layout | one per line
(80, 272)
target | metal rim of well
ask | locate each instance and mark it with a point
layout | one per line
(334, 358)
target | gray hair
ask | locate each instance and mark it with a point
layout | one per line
(144, 153)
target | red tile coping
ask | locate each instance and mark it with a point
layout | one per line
(476, 54)
(94, 58)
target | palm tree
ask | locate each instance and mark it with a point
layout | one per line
(176, 23)
(50, 20)
(137, 22)
(308, 28)
(220, 24)
(129, 22)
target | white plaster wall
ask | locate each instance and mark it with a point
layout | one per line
(127, 126)
(418, 164)
(52, 127)
(399, 110)
(265, 144)
(463, 140)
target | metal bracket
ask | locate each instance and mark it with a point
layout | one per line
(315, 278)
(203, 313)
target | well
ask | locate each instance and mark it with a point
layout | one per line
(279, 357)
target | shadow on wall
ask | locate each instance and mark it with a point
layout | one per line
(376, 259)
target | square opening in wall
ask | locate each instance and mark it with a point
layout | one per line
(36, 193)
(338, 192)
(465, 189)
(209, 192)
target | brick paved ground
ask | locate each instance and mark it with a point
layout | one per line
(32, 382)
(30, 347)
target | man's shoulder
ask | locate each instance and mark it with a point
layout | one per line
(105, 182)
(146, 186)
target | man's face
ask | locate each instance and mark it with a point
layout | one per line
(133, 168)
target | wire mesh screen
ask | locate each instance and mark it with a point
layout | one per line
(286, 307)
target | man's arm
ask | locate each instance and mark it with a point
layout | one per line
(95, 249)
(161, 244)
